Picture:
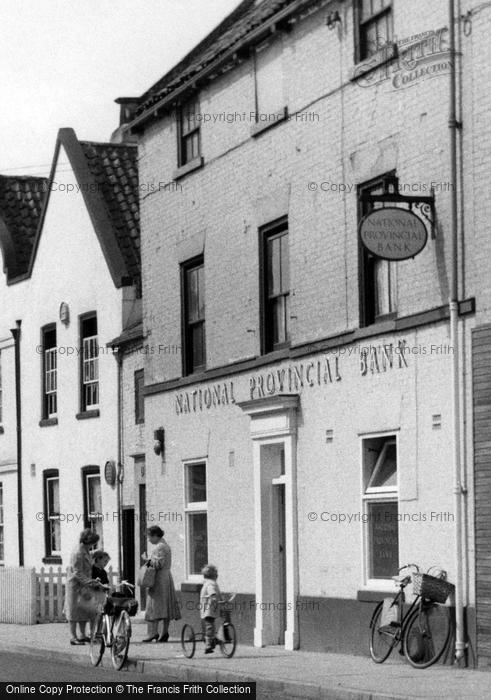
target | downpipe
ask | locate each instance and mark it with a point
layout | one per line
(16, 334)
(460, 643)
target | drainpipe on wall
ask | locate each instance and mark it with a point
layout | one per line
(18, 416)
(119, 471)
(454, 126)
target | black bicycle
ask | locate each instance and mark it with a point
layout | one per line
(226, 637)
(423, 630)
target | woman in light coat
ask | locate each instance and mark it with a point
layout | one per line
(79, 582)
(162, 603)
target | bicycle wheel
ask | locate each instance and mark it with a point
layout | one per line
(228, 640)
(121, 640)
(381, 641)
(97, 644)
(426, 634)
(188, 641)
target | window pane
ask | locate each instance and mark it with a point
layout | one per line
(385, 469)
(285, 264)
(274, 266)
(196, 483)
(198, 542)
(53, 497)
(192, 285)
(278, 317)
(381, 276)
(94, 494)
(201, 291)
(383, 540)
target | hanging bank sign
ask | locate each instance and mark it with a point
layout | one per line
(393, 233)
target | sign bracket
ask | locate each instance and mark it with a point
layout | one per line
(424, 206)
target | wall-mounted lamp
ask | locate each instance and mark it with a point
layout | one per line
(332, 19)
(159, 442)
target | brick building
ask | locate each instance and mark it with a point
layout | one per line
(308, 418)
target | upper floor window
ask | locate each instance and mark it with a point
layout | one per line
(189, 132)
(50, 403)
(374, 26)
(139, 398)
(276, 286)
(378, 278)
(193, 290)
(52, 527)
(90, 362)
(270, 98)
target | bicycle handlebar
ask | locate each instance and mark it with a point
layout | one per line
(408, 566)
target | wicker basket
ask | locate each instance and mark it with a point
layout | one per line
(431, 587)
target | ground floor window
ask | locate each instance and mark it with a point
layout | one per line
(93, 500)
(2, 546)
(196, 516)
(380, 507)
(52, 513)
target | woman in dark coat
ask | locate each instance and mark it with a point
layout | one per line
(79, 580)
(162, 603)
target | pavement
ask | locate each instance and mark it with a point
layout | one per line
(279, 674)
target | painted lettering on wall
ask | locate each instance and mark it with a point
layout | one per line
(295, 377)
(202, 399)
(381, 358)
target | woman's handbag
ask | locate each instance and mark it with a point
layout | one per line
(146, 576)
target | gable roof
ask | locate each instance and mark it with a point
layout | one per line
(21, 203)
(107, 174)
(238, 30)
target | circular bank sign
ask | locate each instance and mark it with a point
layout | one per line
(393, 234)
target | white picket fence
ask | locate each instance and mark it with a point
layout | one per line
(28, 596)
(50, 593)
(18, 596)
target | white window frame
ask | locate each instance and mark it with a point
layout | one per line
(90, 361)
(2, 529)
(53, 516)
(92, 516)
(190, 508)
(50, 381)
(376, 494)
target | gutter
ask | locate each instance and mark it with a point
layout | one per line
(18, 419)
(268, 26)
(459, 491)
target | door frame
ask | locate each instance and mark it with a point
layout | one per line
(274, 421)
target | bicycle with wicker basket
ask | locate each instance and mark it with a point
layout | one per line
(423, 631)
(112, 626)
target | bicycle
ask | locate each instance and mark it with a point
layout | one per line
(226, 637)
(113, 626)
(424, 630)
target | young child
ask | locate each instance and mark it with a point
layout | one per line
(100, 560)
(209, 604)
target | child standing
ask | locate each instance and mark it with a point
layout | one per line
(100, 560)
(209, 604)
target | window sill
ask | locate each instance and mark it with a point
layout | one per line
(363, 72)
(85, 415)
(262, 126)
(45, 422)
(52, 560)
(190, 167)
